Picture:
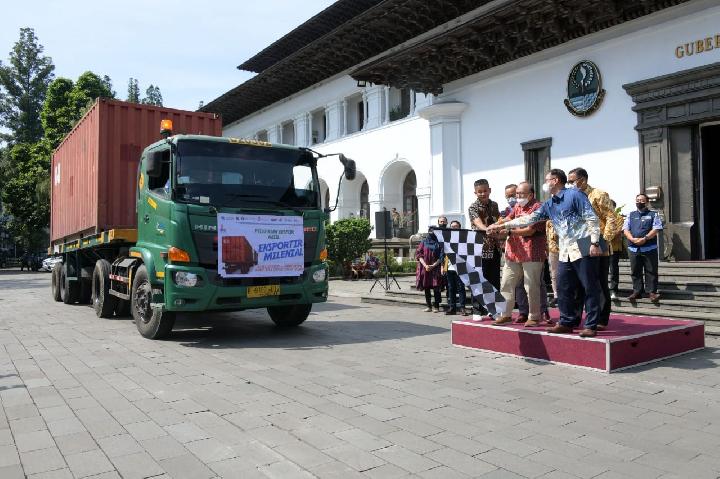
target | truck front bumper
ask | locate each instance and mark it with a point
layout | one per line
(213, 293)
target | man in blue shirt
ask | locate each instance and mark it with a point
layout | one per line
(641, 229)
(574, 220)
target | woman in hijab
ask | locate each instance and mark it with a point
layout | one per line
(428, 277)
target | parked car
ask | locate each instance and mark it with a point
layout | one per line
(49, 262)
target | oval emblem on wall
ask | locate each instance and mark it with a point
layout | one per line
(584, 89)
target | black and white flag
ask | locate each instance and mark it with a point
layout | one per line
(464, 250)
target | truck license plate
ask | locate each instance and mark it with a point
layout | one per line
(262, 291)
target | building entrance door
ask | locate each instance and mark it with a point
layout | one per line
(709, 173)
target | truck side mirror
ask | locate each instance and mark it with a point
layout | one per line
(350, 168)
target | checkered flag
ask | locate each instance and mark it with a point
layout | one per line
(464, 250)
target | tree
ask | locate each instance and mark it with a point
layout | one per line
(25, 202)
(153, 96)
(88, 88)
(58, 114)
(348, 239)
(24, 81)
(133, 93)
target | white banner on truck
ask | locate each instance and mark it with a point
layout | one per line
(252, 246)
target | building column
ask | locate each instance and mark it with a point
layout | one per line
(386, 105)
(334, 116)
(274, 133)
(302, 129)
(374, 106)
(344, 117)
(412, 102)
(446, 162)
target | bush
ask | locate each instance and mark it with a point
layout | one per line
(348, 239)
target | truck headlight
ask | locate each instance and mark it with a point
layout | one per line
(319, 275)
(186, 279)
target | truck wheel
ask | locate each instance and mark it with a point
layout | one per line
(55, 282)
(69, 290)
(151, 323)
(103, 302)
(289, 316)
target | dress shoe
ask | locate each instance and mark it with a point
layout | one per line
(502, 320)
(601, 327)
(560, 329)
(464, 312)
(521, 318)
(654, 297)
(634, 296)
(531, 323)
(588, 333)
(450, 312)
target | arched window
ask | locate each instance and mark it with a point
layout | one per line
(364, 200)
(410, 204)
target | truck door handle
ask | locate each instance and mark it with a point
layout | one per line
(146, 218)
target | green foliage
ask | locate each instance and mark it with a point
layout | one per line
(133, 91)
(348, 239)
(23, 83)
(88, 88)
(58, 114)
(153, 96)
(25, 194)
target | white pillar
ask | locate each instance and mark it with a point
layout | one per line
(344, 117)
(374, 106)
(302, 129)
(412, 102)
(445, 152)
(274, 133)
(386, 106)
(335, 119)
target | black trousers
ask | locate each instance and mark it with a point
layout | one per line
(614, 271)
(646, 262)
(491, 269)
(438, 296)
(579, 275)
(603, 270)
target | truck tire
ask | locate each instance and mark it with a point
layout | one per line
(289, 316)
(103, 302)
(151, 323)
(55, 282)
(69, 290)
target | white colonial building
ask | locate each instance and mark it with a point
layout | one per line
(429, 96)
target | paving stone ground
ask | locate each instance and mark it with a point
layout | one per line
(359, 390)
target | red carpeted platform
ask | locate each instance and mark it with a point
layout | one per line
(628, 341)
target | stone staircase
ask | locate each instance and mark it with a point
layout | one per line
(689, 290)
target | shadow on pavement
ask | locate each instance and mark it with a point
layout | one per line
(256, 330)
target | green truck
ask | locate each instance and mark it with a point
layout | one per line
(150, 248)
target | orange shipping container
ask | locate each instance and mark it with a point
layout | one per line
(94, 170)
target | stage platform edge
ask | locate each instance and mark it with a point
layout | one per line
(630, 341)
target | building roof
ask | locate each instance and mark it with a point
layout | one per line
(319, 25)
(419, 44)
(497, 34)
(369, 33)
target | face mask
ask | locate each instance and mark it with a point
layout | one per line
(641, 206)
(442, 226)
(571, 186)
(522, 202)
(546, 188)
(511, 201)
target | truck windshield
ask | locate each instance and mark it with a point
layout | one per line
(236, 175)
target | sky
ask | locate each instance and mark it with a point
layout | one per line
(190, 49)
